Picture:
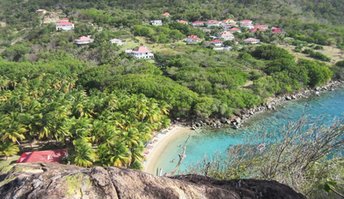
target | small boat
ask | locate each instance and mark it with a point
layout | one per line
(261, 147)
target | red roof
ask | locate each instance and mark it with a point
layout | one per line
(43, 156)
(166, 14)
(246, 21)
(84, 38)
(193, 37)
(227, 20)
(212, 22)
(260, 27)
(64, 22)
(142, 49)
(216, 41)
(234, 29)
(198, 22)
(276, 30)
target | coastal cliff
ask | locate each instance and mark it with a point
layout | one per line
(67, 181)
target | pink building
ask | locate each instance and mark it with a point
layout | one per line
(276, 30)
(252, 41)
(83, 40)
(64, 24)
(198, 23)
(141, 52)
(247, 24)
(193, 39)
(227, 36)
(183, 22)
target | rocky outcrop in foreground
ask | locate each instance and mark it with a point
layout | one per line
(66, 181)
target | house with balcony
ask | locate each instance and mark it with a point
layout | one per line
(156, 22)
(141, 52)
(193, 39)
(84, 40)
(64, 24)
(118, 42)
(246, 24)
(251, 41)
(227, 36)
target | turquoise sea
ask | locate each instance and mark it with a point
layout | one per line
(324, 108)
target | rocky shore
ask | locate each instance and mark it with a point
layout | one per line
(71, 182)
(242, 116)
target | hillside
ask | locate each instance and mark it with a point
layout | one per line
(102, 78)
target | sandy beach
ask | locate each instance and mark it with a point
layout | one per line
(155, 149)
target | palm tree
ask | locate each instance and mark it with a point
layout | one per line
(12, 129)
(114, 153)
(8, 149)
(83, 154)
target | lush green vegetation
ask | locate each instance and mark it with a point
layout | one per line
(298, 156)
(42, 101)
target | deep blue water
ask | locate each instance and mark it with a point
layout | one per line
(325, 108)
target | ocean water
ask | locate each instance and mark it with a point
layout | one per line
(207, 144)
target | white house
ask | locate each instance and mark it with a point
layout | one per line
(235, 29)
(224, 48)
(182, 22)
(213, 23)
(231, 22)
(118, 42)
(192, 39)
(216, 43)
(141, 52)
(156, 22)
(83, 40)
(64, 24)
(247, 24)
(252, 41)
(227, 36)
(41, 11)
(198, 23)
(166, 14)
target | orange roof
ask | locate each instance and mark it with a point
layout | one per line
(142, 49)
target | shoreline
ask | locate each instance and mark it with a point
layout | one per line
(244, 115)
(158, 144)
(160, 141)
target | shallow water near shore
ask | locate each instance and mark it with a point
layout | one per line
(327, 107)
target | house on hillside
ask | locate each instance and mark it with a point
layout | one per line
(64, 24)
(223, 48)
(259, 28)
(213, 23)
(198, 23)
(183, 22)
(231, 22)
(48, 156)
(118, 42)
(83, 40)
(166, 14)
(247, 24)
(227, 36)
(157, 22)
(234, 30)
(216, 43)
(192, 39)
(41, 11)
(252, 41)
(141, 52)
(276, 30)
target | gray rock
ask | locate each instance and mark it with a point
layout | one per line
(112, 183)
